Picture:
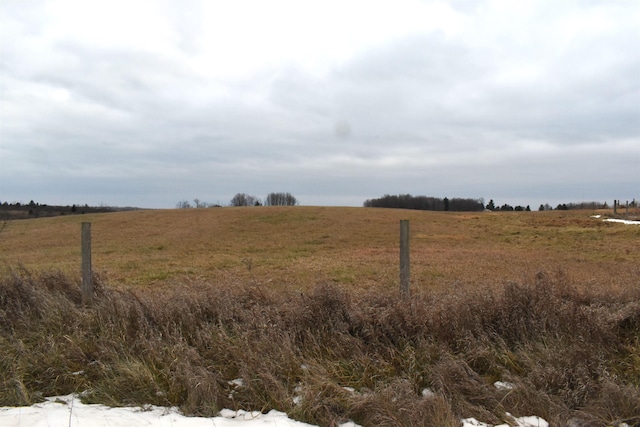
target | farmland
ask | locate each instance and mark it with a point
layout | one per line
(298, 309)
(302, 246)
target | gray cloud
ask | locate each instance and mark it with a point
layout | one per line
(546, 113)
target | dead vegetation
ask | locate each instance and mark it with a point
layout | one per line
(299, 247)
(328, 353)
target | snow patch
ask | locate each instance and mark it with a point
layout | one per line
(500, 385)
(69, 411)
(427, 392)
(517, 422)
(622, 221)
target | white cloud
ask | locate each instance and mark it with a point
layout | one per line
(154, 101)
(242, 36)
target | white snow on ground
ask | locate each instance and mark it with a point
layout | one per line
(517, 422)
(69, 411)
(621, 221)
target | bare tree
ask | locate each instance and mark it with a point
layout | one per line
(200, 204)
(280, 199)
(243, 199)
(183, 204)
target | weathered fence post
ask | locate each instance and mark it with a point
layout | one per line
(404, 258)
(626, 210)
(87, 283)
(615, 206)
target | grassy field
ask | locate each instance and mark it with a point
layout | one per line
(298, 309)
(304, 246)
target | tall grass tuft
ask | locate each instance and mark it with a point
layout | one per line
(328, 354)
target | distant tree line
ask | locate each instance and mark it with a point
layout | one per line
(506, 207)
(581, 205)
(18, 210)
(547, 207)
(197, 203)
(244, 199)
(272, 199)
(280, 199)
(407, 201)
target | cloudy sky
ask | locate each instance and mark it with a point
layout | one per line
(146, 103)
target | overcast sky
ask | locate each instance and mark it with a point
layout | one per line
(146, 103)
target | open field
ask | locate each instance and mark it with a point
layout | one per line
(298, 309)
(302, 246)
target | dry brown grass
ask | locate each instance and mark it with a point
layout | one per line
(302, 246)
(302, 302)
(569, 353)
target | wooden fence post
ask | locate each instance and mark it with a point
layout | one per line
(404, 258)
(87, 281)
